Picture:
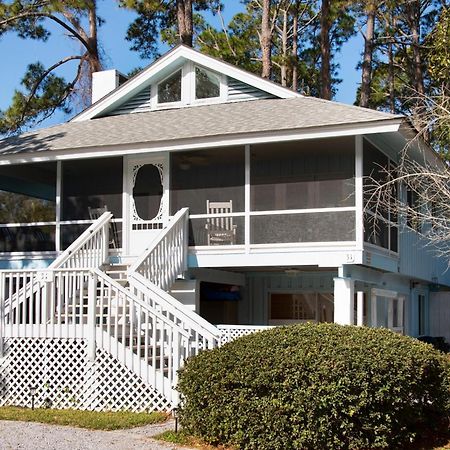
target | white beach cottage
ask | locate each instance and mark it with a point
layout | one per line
(192, 204)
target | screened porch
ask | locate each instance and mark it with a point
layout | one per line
(298, 194)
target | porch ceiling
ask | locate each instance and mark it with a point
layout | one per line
(184, 124)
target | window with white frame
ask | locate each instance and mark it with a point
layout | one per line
(207, 84)
(169, 90)
(286, 308)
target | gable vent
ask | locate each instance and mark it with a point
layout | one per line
(138, 103)
(237, 90)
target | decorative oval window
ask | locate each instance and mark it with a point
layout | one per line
(147, 191)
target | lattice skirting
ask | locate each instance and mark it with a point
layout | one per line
(65, 378)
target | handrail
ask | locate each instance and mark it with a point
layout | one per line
(102, 223)
(88, 304)
(173, 307)
(89, 250)
(161, 263)
(154, 272)
(138, 301)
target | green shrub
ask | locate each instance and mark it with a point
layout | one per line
(315, 387)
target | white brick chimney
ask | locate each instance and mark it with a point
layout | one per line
(104, 82)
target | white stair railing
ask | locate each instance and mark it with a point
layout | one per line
(87, 304)
(166, 257)
(202, 334)
(89, 250)
(156, 270)
(146, 341)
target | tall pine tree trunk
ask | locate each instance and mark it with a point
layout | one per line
(325, 50)
(266, 40)
(284, 49)
(366, 77)
(391, 77)
(295, 51)
(185, 21)
(414, 20)
(94, 58)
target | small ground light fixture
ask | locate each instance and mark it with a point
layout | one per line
(33, 390)
(175, 416)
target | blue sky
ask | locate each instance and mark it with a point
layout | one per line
(18, 53)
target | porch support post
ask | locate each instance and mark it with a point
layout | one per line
(360, 308)
(91, 334)
(2, 312)
(58, 205)
(344, 289)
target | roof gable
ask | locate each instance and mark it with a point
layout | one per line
(136, 94)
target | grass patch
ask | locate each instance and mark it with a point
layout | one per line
(182, 438)
(82, 419)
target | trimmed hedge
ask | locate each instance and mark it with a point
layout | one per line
(314, 386)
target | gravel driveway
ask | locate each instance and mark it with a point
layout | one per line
(39, 436)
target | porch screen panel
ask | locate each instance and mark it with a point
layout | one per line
(379, 220)
(311, 227)
(205, 232)
(27, 238)
(70, 232)
(91, 183)
(303, 175)
(27, 195)
(217, 175)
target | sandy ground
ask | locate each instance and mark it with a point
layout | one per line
(39, 436)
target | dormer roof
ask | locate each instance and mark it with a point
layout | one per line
(136, 94)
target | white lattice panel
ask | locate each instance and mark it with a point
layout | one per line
(65, 378)
(229, 333)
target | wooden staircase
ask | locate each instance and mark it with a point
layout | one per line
(121, 309)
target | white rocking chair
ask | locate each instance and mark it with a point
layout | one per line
(220, 230)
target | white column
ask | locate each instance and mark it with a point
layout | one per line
(359, 203)
(360, 308)
(344, 289)
(58, 205)
(92, 306)
(247, 199)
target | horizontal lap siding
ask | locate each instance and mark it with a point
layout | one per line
(138, 103)
(241, 91)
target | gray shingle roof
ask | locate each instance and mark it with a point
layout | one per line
(195, 122)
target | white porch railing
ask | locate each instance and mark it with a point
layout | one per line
(87, 304)
(89, 250)
(229, 333)
(156, 270)
(166, 258)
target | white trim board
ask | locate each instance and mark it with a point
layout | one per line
(382, 126)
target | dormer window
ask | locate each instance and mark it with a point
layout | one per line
(169, 90)
(207, 84)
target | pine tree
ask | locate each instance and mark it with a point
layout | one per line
(43, 91)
